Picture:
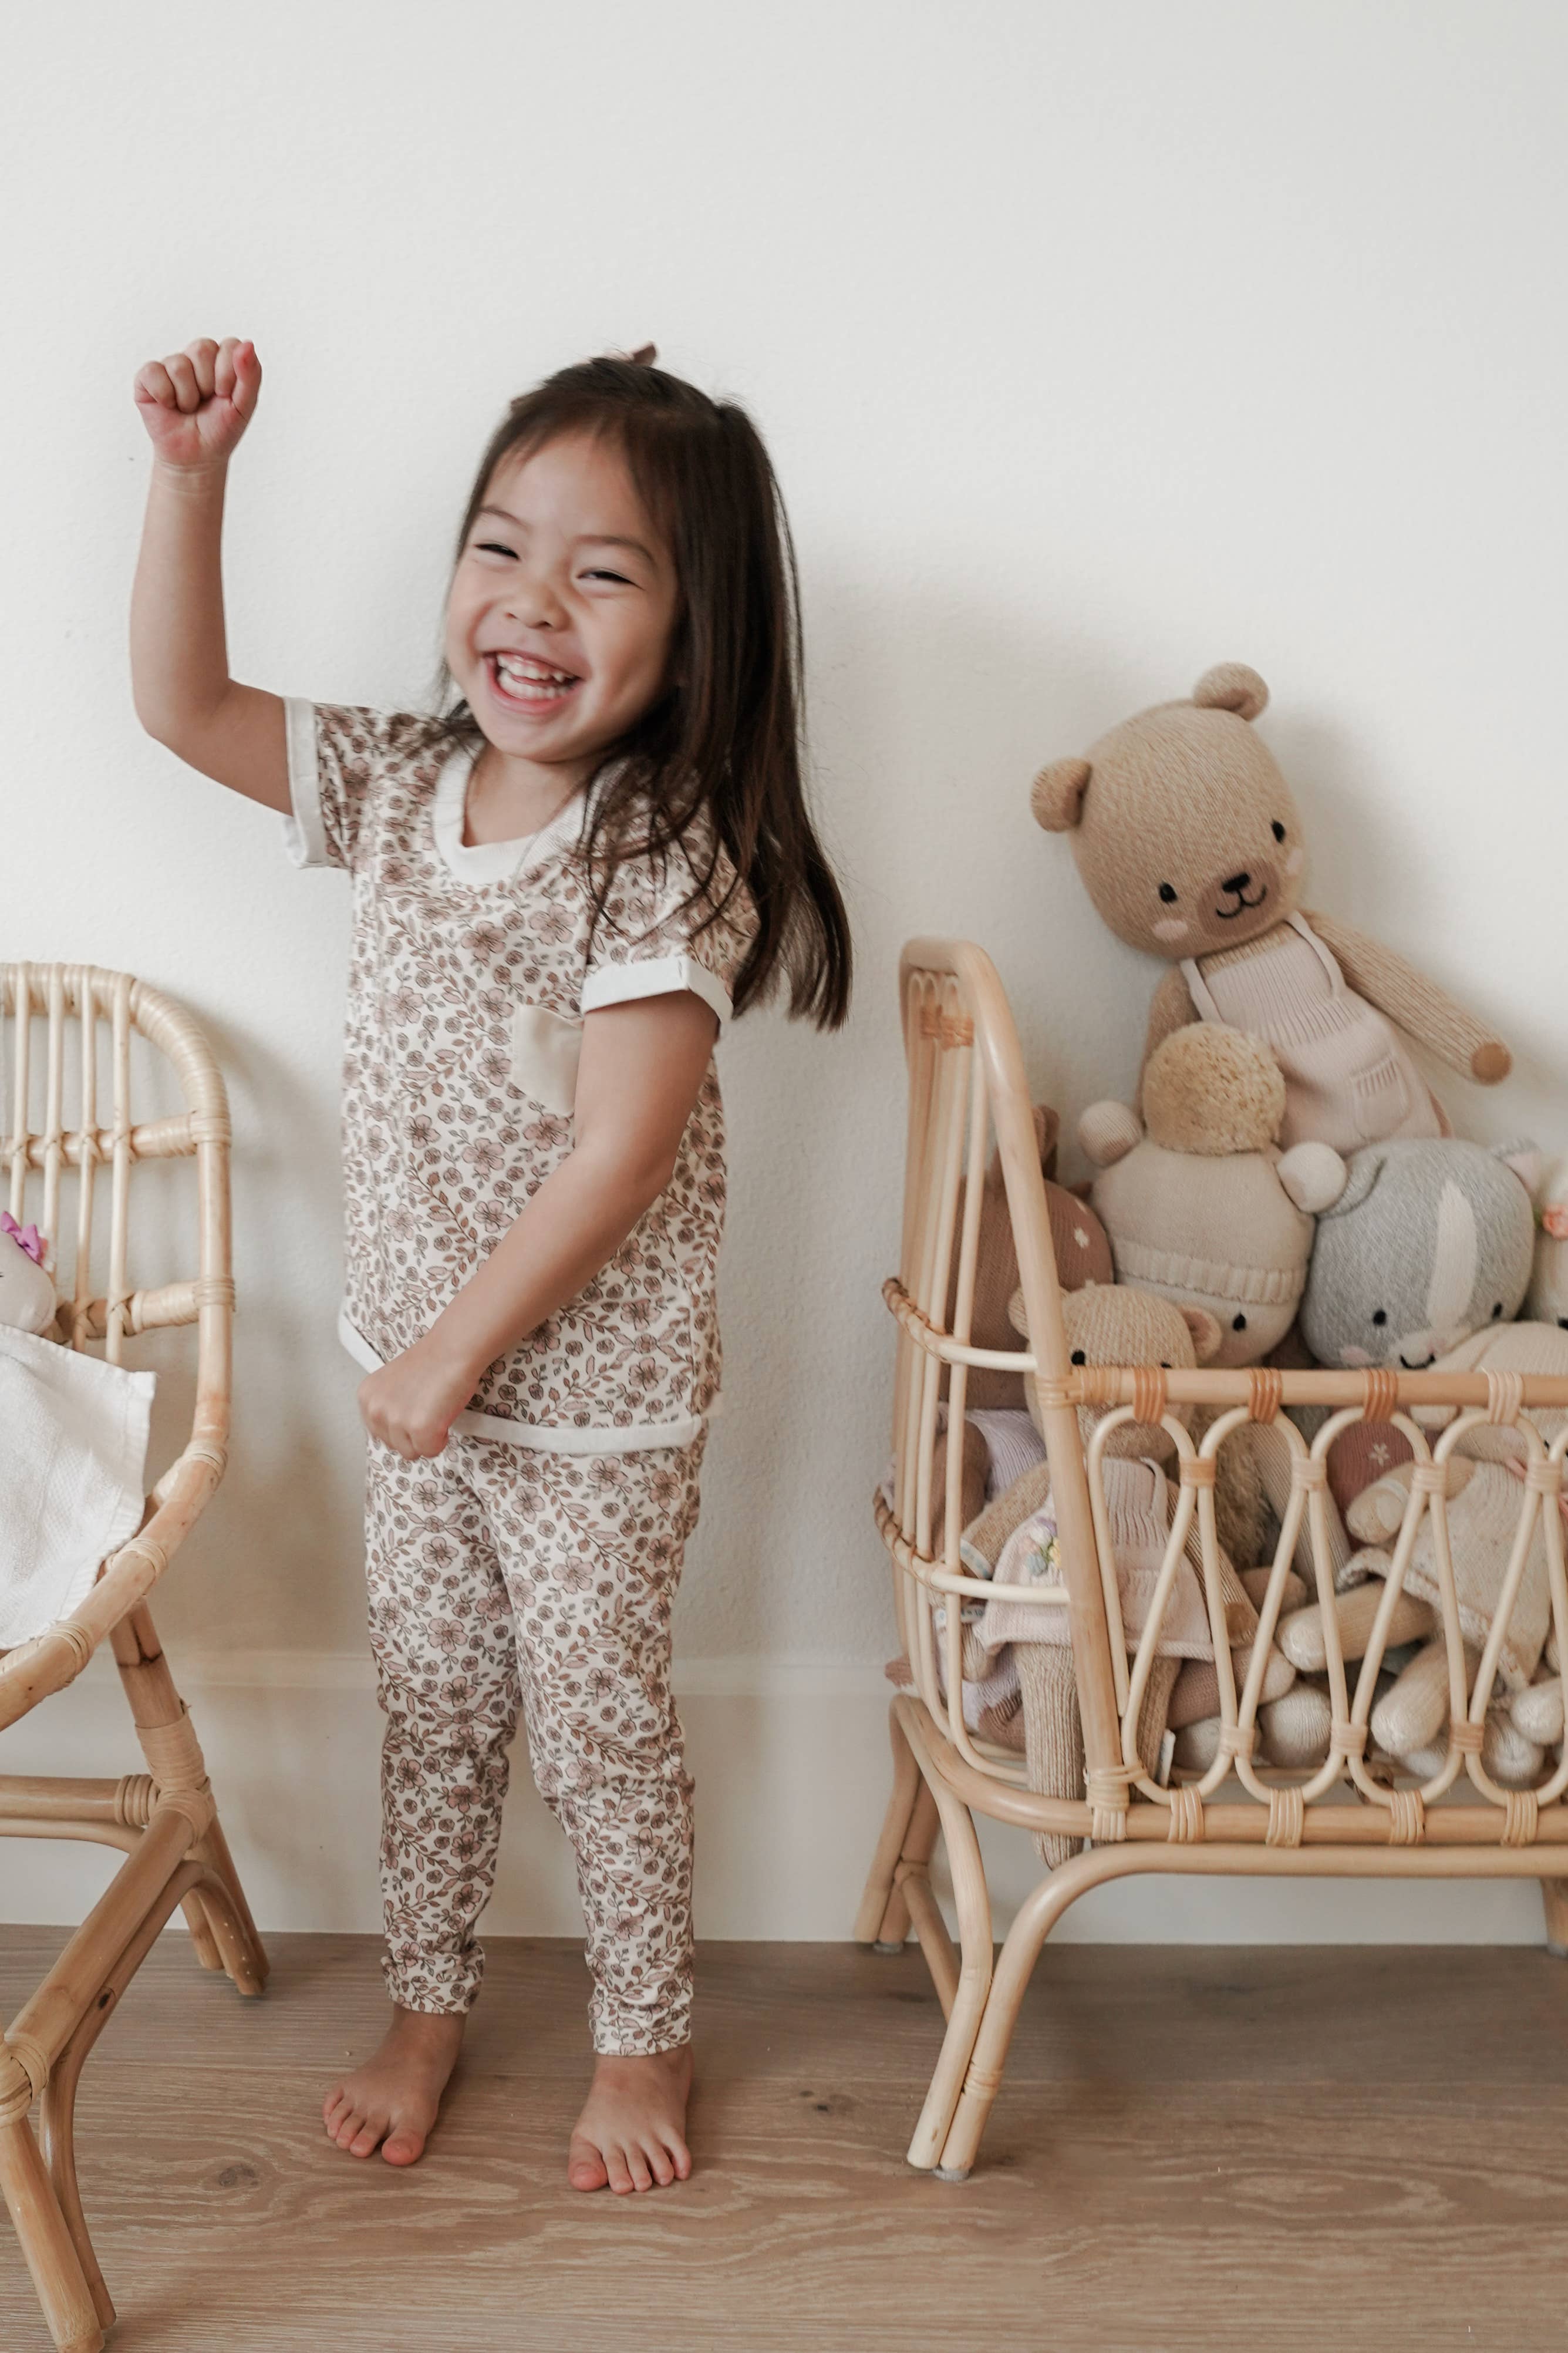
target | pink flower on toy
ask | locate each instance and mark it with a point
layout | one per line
(26, 1237)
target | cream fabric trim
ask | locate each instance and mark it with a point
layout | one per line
(543, 1438)
(480, 862)
(620, 984)
(304, 835)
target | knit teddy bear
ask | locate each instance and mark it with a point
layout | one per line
(1191, 847)
(1199, 1203)
(1015, 1541)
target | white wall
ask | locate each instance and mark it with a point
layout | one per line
(1093, 345)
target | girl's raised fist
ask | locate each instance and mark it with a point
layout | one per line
(196, 403)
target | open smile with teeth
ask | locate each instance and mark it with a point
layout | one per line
(532, 685)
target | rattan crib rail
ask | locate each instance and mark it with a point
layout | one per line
(967, 1084)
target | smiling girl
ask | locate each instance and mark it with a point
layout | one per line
(562, 887)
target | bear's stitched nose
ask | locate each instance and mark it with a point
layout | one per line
(1237, 883)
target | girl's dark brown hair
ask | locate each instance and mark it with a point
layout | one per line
(725, 737)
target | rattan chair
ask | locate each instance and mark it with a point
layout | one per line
(70, 1034)
(1354, 1816)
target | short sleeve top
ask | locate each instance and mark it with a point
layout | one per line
(471, 967)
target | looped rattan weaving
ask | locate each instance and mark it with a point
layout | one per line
(81, 1046)
(1354, 1814)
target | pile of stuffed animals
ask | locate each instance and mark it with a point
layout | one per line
(1284, 1188)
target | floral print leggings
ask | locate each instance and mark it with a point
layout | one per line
(500, 1578)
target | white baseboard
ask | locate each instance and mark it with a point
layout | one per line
(791, 1759)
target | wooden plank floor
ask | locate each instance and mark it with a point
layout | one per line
(1196, 2147)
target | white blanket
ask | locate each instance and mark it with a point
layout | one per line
(73, 1454)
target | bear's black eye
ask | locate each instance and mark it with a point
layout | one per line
(1497, 1311)
(1168, 895)
(1078, 1357)
(1277, 830)
(1379, 1315)
(1165, 1364)
(1239, 1323)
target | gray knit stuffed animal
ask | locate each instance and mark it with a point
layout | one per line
(1431, 1239)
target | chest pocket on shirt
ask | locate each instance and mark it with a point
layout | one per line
(545, 1050)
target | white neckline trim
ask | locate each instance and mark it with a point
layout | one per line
(538, 1436)
(490, 861)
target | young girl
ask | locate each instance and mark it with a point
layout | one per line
(562, 888)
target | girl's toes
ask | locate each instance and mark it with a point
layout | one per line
(365, 2140)
(404, 2146)
(586, 2169)
(661, 2167)
(680, 2158)
(637, 2166)
(615, 2165)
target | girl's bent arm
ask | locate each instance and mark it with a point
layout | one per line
(641, 1066)
(195, 405)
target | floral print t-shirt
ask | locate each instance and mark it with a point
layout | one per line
(470, 971)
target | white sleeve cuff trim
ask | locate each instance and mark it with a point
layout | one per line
(304, 834)
(618, 983)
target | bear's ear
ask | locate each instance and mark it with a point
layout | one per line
(1207, 1337)
(1057, 798)
(1231, 686)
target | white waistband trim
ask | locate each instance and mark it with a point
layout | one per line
(543, 1438)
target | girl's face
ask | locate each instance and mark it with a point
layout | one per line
(563, 606)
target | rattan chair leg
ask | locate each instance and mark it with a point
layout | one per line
(174, 1759)
(1037, 1916)
(46, 2239)
(1554, 1903)
(967, 2007)
(57, 2107)
(243, 1954)
(919, 1843)
(905, 1791)
(57, 2137)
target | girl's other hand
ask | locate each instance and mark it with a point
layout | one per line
(411, 1404)
(195, 404)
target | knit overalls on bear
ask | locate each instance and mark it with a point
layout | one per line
(532, 1565)
(1350, 1079)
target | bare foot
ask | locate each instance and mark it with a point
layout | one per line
(631, 2131)
(393, 2099)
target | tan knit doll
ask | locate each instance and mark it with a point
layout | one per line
(1079, 1243)
(1105, 1324)
(1410, 1715)
(1191, 847)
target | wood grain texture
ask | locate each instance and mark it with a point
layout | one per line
(1196, 2147)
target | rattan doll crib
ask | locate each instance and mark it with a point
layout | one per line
(966, 1078)
(69, 1032)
